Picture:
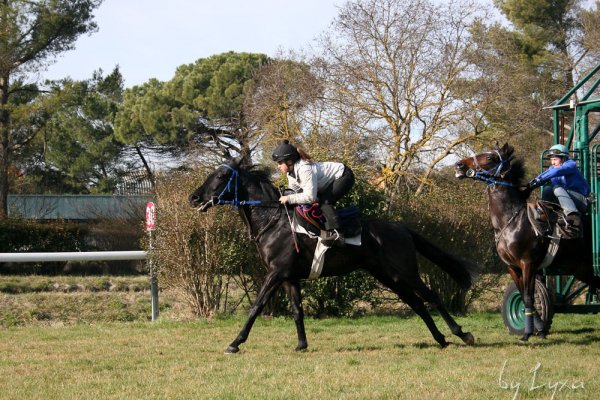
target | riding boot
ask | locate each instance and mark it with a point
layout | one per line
(333, 233)
(573, 225)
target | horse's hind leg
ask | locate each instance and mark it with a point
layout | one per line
(294, 293)
(431, 296)
(419, 307)
(407, 295)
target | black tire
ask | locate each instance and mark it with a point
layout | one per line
(513, 308)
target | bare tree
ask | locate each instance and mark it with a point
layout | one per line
(395, 66)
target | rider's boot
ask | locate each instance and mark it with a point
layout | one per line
(332, 234)
(573, 225)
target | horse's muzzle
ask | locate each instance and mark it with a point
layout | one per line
(460, 171)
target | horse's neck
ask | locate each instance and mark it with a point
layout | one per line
(258, 219)
(504, 203)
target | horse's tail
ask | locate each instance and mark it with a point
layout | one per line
(464, 272)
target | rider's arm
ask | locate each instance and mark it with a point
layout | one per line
(307, 180)
(567, 168)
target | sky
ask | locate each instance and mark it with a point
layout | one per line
(151, 38)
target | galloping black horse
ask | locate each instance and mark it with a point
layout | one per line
(517, 243)
(388, 252)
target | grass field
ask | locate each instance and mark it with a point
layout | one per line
(364, 358)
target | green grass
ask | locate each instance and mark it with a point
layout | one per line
(67, 300)
(365, 358)
(67, 284)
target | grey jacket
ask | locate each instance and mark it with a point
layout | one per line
(312, 178)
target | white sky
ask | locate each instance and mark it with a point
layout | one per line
(151, 38)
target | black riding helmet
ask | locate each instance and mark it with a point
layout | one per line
(285, 151)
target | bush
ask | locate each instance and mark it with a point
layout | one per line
(457, 220)
(340, 296)
(196, 254)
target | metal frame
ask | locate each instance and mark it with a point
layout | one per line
(579, 139)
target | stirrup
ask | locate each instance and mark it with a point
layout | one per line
(331, 236)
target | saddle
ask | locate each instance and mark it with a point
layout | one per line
(548, 218)
(312, 219)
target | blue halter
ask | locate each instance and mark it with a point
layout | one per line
(227, 189)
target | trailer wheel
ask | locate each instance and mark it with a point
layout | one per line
(513, 308)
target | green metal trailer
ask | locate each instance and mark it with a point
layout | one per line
(576, 123)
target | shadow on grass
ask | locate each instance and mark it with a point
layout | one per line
(548, 342)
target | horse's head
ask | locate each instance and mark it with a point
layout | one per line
(220, 187)
(494, 163)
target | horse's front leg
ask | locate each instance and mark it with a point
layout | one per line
(528, 299)
(294, 293)
(270, 285)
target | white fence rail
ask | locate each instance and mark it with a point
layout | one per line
(74, 256)
(89, 256)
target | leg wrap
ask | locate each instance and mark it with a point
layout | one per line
(529, 313)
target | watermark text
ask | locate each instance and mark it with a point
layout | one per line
(536, 382)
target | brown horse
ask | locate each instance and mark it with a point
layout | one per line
(517, 243)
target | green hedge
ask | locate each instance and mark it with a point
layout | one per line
(18, 235)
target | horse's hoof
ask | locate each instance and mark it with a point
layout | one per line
(232, 350)
(468, 338)
(525, 337)
(444, 344)
(541, 334)
(301, 347)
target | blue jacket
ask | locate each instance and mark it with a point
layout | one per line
(567, 176)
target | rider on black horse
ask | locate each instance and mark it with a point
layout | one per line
(325, 182)
(566, 184)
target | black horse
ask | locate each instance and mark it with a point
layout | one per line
(517, 242)
(388, 252)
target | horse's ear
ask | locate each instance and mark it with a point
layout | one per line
(507, 149)
(235, 162)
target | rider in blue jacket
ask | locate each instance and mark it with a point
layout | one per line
(565, 184)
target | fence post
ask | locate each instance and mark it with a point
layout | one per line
(150, 225)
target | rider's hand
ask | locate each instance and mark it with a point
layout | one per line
(535, 182)
(283, 199)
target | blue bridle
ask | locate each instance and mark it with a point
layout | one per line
(490, 175)
(227, 189)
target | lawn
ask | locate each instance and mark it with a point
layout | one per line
(364, 358)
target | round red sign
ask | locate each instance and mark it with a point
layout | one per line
(150, 216)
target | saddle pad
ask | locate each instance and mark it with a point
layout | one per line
(318, 260)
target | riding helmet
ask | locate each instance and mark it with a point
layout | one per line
(285, 151)
(559, 150)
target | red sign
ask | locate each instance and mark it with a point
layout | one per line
(150, 216)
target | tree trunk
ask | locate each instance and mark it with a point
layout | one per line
(3, 180)
(4, 148)
(146, 167)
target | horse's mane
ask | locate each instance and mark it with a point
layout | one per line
(262, 177)
(516, 176)
(259, 174)
(517, 171)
